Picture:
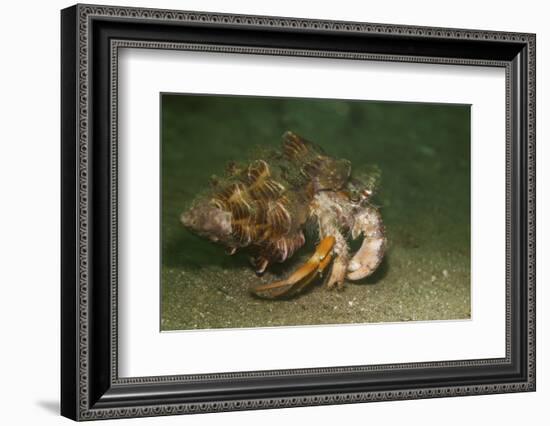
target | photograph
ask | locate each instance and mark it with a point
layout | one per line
(264, 211)
(306, 211)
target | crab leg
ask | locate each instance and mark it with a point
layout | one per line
(369, 255)
(315, 265)
(338, 272)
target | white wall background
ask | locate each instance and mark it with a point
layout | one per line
(29, 211)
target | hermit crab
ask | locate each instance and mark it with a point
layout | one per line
(266, 206)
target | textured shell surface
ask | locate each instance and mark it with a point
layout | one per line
(264, 205)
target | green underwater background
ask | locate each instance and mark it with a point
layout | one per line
(423, 152)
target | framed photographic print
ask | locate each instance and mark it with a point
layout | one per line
(263, 212)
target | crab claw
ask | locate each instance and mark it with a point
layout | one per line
(314, 266)
(370, 254)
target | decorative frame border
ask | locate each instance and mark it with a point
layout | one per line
(84, 409)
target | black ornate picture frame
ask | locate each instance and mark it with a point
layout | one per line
(91, 37)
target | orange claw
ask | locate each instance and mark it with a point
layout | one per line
(315, 265)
